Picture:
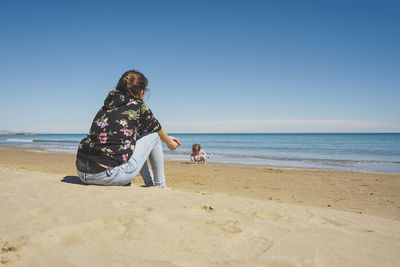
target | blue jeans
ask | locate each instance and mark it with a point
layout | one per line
(147, 147)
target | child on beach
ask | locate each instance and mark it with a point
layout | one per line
(198, 155)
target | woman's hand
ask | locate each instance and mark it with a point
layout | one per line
(173, 143)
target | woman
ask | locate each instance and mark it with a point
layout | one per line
(123, 135)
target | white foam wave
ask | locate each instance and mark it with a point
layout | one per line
(19, 140)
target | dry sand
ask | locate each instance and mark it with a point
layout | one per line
(219, 215)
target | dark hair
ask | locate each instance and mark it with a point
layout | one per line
(196, 147)
(132, 82)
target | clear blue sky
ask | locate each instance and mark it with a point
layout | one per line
(241, 65)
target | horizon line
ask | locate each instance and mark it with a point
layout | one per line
(37, 133)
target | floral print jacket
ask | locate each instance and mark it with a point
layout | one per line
(114, 131)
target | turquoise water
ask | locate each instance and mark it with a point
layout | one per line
(364, 152)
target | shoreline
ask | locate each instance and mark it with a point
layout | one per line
(41, 150)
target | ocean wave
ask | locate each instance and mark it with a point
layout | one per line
(327, 161)
(42, 141)
(58, 146)
(55, 141)
(19, 140)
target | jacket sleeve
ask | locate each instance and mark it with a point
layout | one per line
(148, 123)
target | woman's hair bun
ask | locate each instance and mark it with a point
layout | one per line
(132, 82)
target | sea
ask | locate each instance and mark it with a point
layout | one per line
(373, 152)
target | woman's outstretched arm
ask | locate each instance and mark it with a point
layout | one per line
(172, 142)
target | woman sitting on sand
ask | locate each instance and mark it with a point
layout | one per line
(123, 135)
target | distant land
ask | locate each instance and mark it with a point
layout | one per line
(17, 133)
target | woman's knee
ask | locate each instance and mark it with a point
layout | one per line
(151, 136)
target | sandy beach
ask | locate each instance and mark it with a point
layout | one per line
(210, 215)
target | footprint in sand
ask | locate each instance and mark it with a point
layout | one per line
(8, 252)
(229, 226)
(269, 214)
(7, 247)
(251, 248)
(285, 216)
(70, 239)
